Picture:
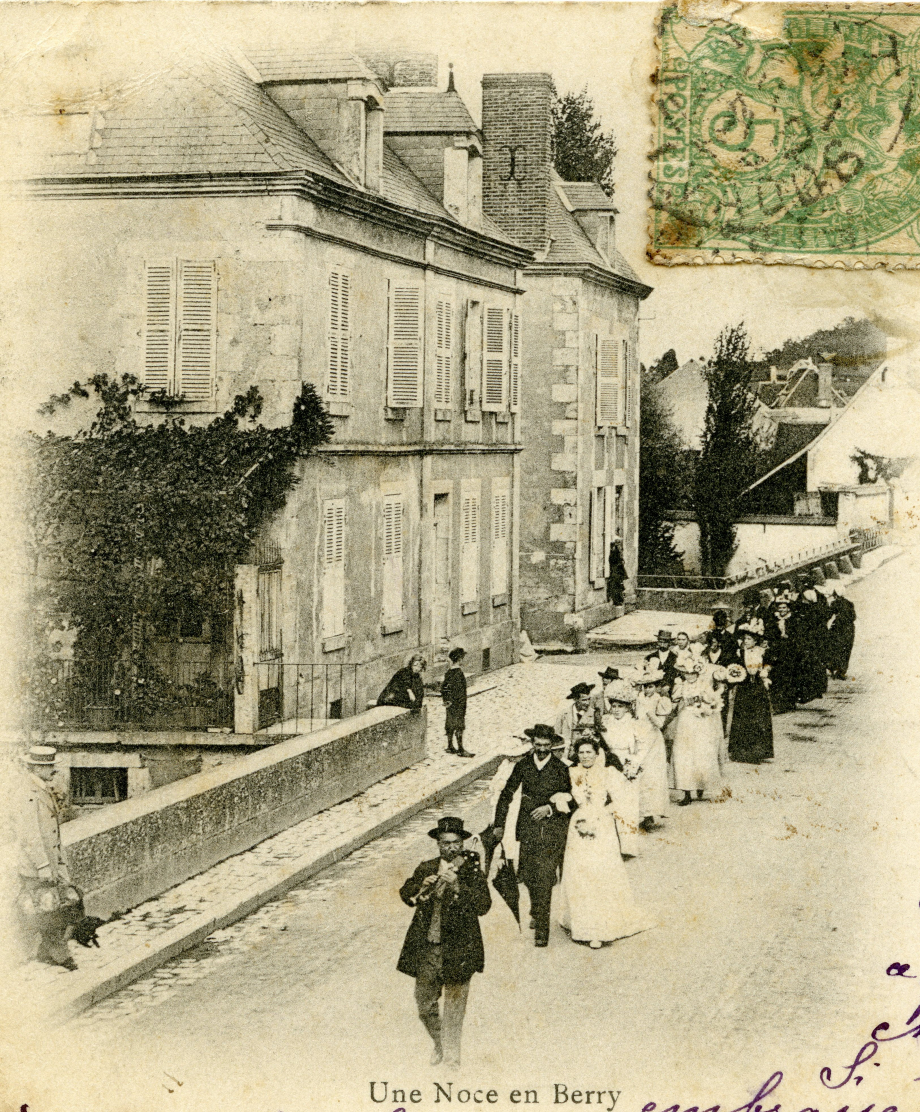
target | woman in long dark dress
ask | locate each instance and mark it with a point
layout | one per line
(841, 634)
(750, 739)
(781, 654)
(406, 687)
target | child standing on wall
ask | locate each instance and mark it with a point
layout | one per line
(453, 692)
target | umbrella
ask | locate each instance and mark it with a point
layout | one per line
(489, 842)
(505, 883)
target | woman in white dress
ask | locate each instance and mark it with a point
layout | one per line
(652, 709)
(618, 729)
(596, 903)
(695, 756)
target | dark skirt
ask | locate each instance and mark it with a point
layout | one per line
(751, 737)
(812, 678)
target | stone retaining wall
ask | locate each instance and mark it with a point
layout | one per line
(131, 851)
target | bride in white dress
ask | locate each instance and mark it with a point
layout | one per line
(596, 902)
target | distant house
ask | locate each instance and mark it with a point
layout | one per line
(880, 420)
(685, 392)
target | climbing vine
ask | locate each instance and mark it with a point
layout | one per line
(136, 519)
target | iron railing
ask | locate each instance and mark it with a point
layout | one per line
(155, 695)
(300, 698)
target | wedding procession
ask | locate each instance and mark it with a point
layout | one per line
(570, 812)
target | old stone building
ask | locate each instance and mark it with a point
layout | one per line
(580, 423)
(276, 217)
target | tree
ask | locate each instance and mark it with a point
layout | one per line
(727, 463)
(665, 482)
(581, 149)
(667, 364)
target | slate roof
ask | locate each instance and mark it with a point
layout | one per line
(425, 110)
(587, 196)
(300, 63)
(571, 245)
(402, 187)
(208, 118)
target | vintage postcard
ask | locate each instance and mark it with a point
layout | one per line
(451, 661)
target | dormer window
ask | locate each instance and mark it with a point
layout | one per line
(463, 180)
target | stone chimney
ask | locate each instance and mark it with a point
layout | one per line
(825, 384)
(516, 171)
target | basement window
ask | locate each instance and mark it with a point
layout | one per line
(96, 786)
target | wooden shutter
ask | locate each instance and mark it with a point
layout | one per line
(494, 385)
(159, 326)
(629, 400)
(404, 388)
(269, 594)
(338, 384)
(333, 563)
(197, 330)
(608, 383)
(469, 548)
(443, 386)
(514, 399)
(393, 556)
(500, 526)
(472, 347)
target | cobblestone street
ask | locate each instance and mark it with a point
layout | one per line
(778, 909)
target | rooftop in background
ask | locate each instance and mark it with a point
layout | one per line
(586, 196)
(426, 110)
(279, 63)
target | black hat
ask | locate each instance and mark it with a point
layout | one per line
(580, 689)
(610, 673)
(542, 730)
(456, 654)
(450, 825)
(720, 618)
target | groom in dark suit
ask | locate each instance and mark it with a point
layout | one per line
(542, 823)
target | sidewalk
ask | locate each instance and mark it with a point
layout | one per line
(502, 704)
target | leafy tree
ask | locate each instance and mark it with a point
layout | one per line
(665, 482)
(581, 149)
(857, 344)
(133, 523)
(667, 364)
(730, 450)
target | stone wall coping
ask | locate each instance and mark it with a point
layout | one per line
(117, 814)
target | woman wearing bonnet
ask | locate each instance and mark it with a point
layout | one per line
(695, 754)
(750, 739)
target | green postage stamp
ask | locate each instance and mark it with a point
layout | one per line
(804, 148)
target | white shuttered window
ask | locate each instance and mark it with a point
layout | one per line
(404, 368)
(469, 547)
(514, 398)
(495, 362)
(392, 556)
(629, 399)
(608, 382)
(443, 386)
(501, 519)
(180, 329)
(338, 383)
(333, 566)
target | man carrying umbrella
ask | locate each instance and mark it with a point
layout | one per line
(443, 946)
(542, 823)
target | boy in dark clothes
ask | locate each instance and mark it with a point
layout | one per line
(453, 692)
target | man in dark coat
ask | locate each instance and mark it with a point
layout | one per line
(443, 946)
(542, 823)
(665, 657)
(453, 692)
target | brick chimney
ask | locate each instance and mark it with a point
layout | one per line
(825, 383)
(516, 182)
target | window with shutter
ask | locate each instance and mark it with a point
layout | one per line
(443, 386)
(159, 327)
(269, 594)
(333, 564)
(495, 377)
(500, 531)
(628, 390)
(197, 330)
(608, 383)
(473, 370)
(404, 385)
(392, 556)
(514, 399)
(338, 378)
(180, 329)
(469, 548)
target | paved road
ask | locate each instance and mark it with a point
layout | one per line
(779, 910)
